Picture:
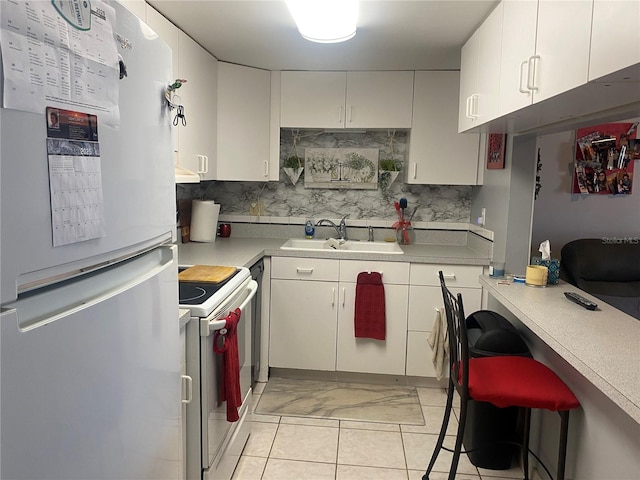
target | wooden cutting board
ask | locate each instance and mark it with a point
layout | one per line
(206, 273)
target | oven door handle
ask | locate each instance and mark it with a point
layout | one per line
(214, 325)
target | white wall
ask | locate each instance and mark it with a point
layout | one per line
(560, 216)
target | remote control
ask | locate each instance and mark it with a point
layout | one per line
(580, 300)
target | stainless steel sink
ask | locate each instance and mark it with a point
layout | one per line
(332, 244)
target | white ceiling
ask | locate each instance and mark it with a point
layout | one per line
(392, 34)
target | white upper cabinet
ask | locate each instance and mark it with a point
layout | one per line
(468, 82)
(312, 99)
(379, 100)
(438, 154)
(518, 47)
(545, 50)
(615, 36)
(480, 67)
(197, 140)
(169, 33)
(194, 143)
(486, 107)
(244, 115)
(346, 99)
(561, 61)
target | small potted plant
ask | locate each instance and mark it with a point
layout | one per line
(293, 167)
(389, 171)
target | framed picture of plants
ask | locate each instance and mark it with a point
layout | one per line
(353, 168)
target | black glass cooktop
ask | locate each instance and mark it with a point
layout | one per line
(195, 293)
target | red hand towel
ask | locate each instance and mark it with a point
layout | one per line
(230, 391)
(369, 319)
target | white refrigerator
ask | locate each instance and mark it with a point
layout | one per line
(89, 333)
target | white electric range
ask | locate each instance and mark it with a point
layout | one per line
(214, 445)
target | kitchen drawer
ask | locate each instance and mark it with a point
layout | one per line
(392, 272)
(297, 268)
(424, 300)
(454, 275)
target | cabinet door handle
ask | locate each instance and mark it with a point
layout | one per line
(415, 170)
(266, 168)
(340, 120)
(523, 90)
(187, 387)
(449, 276)
(333, 296)
(344, 296)
(531, 74)
(304, 270)
(468, 109)
(350, 113)
(200, 164)
(206, 164)
(474, 105)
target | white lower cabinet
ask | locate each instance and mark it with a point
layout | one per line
(367, 355)
(313, 307)
(425, 297)
(304, 297)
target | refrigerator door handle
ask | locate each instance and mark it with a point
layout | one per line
(187, 386)
(81, 293)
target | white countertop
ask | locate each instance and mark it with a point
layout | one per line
(602, 345)
(239, 251)
(184, 315)
(232, 251)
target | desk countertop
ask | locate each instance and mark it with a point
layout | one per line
(602, 345)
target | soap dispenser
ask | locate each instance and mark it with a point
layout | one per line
(309, 229)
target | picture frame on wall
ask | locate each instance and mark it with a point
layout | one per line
(496, 146)
(352, 168)
(604, 160)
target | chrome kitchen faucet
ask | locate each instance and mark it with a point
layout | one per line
(340, 229)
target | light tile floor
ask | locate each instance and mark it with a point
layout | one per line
(299, 448)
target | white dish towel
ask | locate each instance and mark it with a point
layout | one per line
(439, 342)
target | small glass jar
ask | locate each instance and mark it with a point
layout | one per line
(496, 269)
(405, 235)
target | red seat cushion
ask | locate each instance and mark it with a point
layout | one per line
(518, 381)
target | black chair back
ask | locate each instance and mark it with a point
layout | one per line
(458, 341)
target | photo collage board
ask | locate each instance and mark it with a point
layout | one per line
(605, 157)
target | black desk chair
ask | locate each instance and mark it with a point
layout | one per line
(503, 381)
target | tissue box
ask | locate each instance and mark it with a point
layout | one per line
(554, 268)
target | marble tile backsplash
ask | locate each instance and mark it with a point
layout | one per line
(437, 203)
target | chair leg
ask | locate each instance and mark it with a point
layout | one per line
(562, 448)
(525, 443)
(459, 436)
(443, 429)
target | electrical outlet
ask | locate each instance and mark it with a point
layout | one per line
(256, 208)
(482, 218)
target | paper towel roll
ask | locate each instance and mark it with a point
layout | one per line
(204, 220)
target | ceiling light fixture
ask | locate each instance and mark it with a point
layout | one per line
(325, 21)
